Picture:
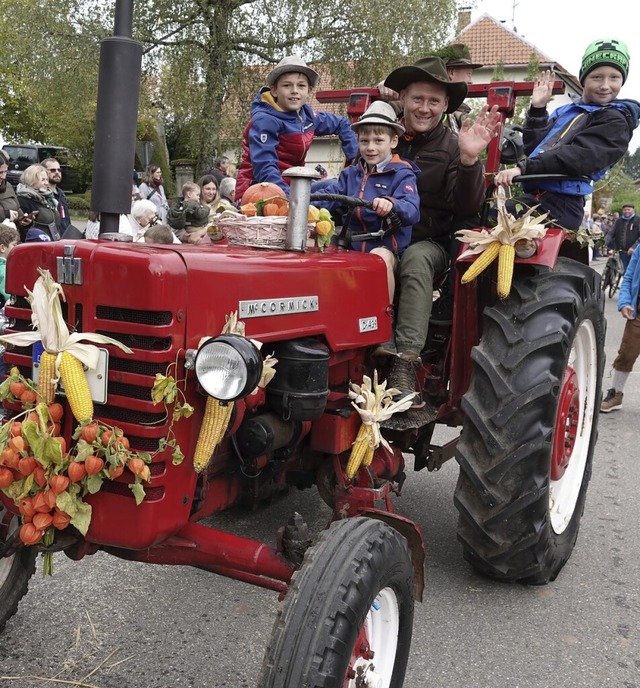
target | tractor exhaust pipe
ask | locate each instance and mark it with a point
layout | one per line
(299, 197)
(116, 120)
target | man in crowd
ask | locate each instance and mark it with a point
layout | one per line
(54, 172)
(219, 169)
(625, 235)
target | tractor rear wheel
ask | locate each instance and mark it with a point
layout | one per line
(530, 428)
(15, 570)
(347, 618)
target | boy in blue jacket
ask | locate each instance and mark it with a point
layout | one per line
(384, 179)
(283, 126)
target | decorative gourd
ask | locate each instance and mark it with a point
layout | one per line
(260, 191)
(248, 209)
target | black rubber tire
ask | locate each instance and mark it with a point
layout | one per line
(607, 279)
(317, 627)
(615, 284)
(505, 451)
(15, 572)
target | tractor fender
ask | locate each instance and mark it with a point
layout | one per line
(553, 244)
(412, 533)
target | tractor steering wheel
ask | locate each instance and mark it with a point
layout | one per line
(392, 220)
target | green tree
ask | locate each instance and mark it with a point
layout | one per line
(209, 56)
(618, 186)
(631, 164)
(203, 60)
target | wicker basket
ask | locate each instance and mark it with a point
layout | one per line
(264, 232)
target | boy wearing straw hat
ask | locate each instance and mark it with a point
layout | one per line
(384, 179)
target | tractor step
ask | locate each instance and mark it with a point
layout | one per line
(413, 418)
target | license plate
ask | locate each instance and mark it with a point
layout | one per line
(97, 379)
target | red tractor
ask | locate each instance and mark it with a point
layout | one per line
(520, 377)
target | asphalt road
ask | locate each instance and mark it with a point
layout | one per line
(111, 624)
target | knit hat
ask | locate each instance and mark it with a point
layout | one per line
(380, 112)
(607, 51)
(292, 64)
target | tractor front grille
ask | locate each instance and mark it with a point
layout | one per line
(155, 338)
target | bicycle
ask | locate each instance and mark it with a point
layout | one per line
(612, 273)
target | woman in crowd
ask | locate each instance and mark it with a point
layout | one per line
(9, 206)
(209, 193)
(210, 196)
(38, 204)
(153, 190)
(143, 215)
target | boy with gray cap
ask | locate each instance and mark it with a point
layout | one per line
(384, 179)
(283, 125)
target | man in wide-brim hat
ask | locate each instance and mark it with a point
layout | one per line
(451, 181)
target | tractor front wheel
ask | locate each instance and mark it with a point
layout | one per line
(15, 570)
(347, 618)
(530, 426)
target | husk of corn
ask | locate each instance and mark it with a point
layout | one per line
(374, 402)
(507, 232)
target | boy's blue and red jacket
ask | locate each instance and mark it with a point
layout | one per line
(276, 139)
(397, 182)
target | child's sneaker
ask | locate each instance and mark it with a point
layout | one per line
(612, 401)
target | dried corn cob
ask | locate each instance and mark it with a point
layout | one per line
(214, 425)
(47, 375)
(361, 452)
(506, 258)
(76, 387)
(483, 261)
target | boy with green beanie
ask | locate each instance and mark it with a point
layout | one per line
(582, 139)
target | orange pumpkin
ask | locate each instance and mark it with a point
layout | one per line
(260, 191)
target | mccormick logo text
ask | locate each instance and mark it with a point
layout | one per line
(286, 306)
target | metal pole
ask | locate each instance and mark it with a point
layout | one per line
(116, 120)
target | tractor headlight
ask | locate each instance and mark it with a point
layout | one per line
(228, 367)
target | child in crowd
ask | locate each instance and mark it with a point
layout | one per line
(159, 234)
(582, 139)
(188, 211)
(385, 180)
(9, 237)
(283, 125)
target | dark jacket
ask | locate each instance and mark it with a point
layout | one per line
(445, 186)
(276, 139)
(397, 183)
(576, 140)
(63, 209)
(48, 218)
(8, 201)
(624, 234)
(591, 140)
